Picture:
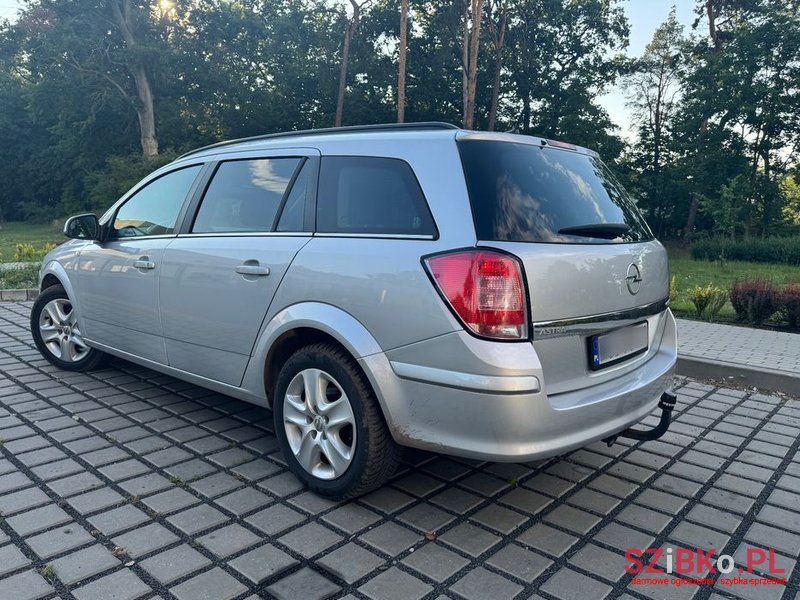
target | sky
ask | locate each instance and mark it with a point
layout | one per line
(644, 16)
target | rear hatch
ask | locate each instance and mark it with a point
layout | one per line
(591, 263)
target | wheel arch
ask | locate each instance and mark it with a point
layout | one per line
(54, 273)
(302, 324)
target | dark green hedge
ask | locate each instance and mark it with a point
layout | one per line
(784, 250)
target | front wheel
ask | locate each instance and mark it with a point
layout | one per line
(329, 425)
(57, 333)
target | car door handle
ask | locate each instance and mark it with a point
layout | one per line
(247, 269)
(144, 263)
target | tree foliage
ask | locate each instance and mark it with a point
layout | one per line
(95, 93)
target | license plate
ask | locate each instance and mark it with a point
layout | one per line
(615, 346)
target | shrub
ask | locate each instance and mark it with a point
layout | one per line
(784, 250)
(708, 301)
(29, 253)
(673, 290)
(754, 300)
(790, 302)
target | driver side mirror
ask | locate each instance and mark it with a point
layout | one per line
(82, 227)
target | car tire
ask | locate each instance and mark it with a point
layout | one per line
(57, 334)
(334, 438)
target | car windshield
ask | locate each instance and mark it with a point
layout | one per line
(527, 193)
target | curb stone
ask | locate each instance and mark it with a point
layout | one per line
(738, 374)
(19, 295)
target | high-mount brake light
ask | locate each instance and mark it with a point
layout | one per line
(484, 289)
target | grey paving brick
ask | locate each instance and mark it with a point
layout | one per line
(525, 500)
(256, 469)
(119, 585)
(387, 500)
(262, 563)
(713, 517)
(75, 484)
(391, 538)
(243, 501)
(519, 562)
(548, 484)
(144, 540)
(11, 559)
(470, 539)
(175, 563)
(668, 503)
(600, 561)
(189, 470)
(350, 562)
(728, 500)
(306, 584)
(425, 517)
(275, 519)
(125, 469)
(778, 516)
(170, 501)
(480, 583)
(644, 518)
(95, 500)
(310, 539)
(25, 586)
(394, 584)
(118, 519)
(38, 519)
(215, 584)
(593, 500)
(499, 518)
(697, 536)
(83, 564)
(351, 518)
(13, 481)
(22, 500)
(485, 484)
(59, 540)
(215, 485)
(571, 518)
(456, 500)
(229, 540)
(622, 537)
(105, 456)
(435, 561)
(568, 584)
(779, 539)
(546, 538)
(38, 457)
(197, 519)
(281, 485)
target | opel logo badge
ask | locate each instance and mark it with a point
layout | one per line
(633, 279)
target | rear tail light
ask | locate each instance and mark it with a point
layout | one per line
(484, 289)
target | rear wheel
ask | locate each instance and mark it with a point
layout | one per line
(57, 332)
(329, 425)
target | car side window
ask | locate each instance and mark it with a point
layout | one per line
(154, 209)
(294, 209)
(245, 195)
(371, 195)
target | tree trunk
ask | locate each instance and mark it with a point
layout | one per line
(145, 105)
(498, 38)
(472, 77)
(465, 61)
(348, 37)
(401, 62)
(712, 32)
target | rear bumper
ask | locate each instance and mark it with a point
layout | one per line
(508, 416)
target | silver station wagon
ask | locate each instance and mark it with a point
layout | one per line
(486, 295)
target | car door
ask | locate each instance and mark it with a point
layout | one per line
(118, 277)
(221, 272)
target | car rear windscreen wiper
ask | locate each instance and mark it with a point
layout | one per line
(606, 231)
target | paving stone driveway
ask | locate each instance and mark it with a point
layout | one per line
(126, 484)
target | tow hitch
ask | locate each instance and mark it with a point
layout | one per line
(666, 404)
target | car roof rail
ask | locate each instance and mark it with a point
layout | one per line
(326, 131)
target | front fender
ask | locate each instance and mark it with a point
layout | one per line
(57, 270)
(340, 325)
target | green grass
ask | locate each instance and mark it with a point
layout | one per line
(690, 273)
(23, 278)
(38, 234)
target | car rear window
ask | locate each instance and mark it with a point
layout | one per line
(528, 193)
(371, 196)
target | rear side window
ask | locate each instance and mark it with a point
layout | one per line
(527, 193)
(370, 195)
(245, 195)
